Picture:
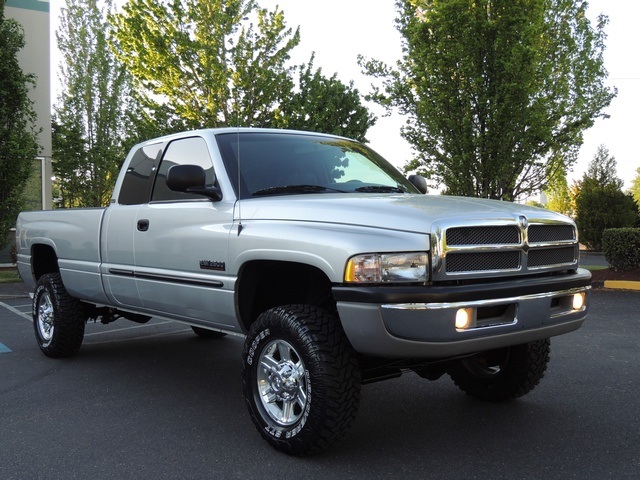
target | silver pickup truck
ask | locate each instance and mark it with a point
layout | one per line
(335, 269)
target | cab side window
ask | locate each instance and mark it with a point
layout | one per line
(185, 151)
(136, 186)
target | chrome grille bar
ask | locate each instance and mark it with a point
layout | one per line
(503, 247)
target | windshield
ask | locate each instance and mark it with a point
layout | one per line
(280, 163)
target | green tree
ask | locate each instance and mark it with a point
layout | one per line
(603, 169)
(90, 127)
(206, 63)
(559, 195)
(323, 104)
(635, 187)
(497, 93)
(18, 138)
(224, 63)
(601, 203)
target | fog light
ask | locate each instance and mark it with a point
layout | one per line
(464, 318)
(578, 301)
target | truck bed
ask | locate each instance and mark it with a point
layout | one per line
(74, 234)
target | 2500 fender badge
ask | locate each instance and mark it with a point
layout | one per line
(211, 265)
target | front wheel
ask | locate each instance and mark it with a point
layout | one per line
(502, 374)
(301, 379)
(58, 318)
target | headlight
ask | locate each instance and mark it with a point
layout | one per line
(387, 268)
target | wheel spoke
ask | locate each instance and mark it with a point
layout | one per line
(269, 363)
(285, 352)
(288, 413)
(301, 395)
(270, 396)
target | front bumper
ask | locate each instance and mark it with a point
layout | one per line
(419, 322)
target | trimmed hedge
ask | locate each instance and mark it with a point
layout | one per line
(621, 247)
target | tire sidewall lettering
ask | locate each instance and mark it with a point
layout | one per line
(254, 345)
(298, 428)
(36, 300)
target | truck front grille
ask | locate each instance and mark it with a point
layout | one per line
(507, 234)
(550, 233)
(498, 249)
(482, 261)
(549, 257)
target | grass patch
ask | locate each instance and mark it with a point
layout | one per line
(9, 275)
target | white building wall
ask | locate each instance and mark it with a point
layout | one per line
(34, 58)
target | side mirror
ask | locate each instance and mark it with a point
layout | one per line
(419, 182)
(191, 179)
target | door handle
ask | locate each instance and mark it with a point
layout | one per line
(143, 225)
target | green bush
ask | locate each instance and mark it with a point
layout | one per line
(601, 207)
(621, 247)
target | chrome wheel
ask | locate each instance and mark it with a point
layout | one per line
(45, 318)
(282, 382)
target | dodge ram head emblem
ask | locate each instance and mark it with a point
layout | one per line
(524, 223)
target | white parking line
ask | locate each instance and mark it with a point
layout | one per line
(26, 316)
(152, 335)
(146, 325)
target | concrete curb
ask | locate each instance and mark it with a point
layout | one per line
(616, 285)
(621, 285)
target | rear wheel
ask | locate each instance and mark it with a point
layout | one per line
(301, 379)
(58, 318)
(502, 374)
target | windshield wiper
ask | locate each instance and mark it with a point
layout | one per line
(294, 189)
(380, 189)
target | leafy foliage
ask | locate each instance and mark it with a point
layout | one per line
(90, 124)
(635, 187)
(603, 168)
(600, 203)
(202, 63)
(18, 140)
(224, 63)
(621, 247)
(497, 93)
(559, 195)
(326, 105)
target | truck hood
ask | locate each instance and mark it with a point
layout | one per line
(406, 212)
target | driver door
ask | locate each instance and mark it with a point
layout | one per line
(181, 245)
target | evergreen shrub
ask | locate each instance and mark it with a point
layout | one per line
(621, 247)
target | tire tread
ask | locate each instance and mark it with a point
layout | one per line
(335, 376)
(526, 367)
(69, 319)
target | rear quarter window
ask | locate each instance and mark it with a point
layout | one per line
(136, 186)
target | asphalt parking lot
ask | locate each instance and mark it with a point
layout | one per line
(155, 401)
